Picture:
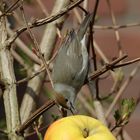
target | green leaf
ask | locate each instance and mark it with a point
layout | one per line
(55, 117)
(127, 107)
(123, 113)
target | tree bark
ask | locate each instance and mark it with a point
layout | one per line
(8, 78)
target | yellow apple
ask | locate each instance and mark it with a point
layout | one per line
(78, 127)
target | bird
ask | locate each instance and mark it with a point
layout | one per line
(70, 67)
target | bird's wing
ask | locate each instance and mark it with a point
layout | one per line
(69, 60)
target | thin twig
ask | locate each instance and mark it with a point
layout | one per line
(39, 135)
(126, 135)
(19, 59)
(43, 21)
(2, 132)
(30, 77)
(107, 67)
(20, 44)
(93, 51)
(85, 4)
(42, 7)
(121, 91)
(36, 45)
(80, 7)
(10, 9)
(38, 72)
(105, 59)
(100, 112)
(86, 105)
(127, 63)
(94, 75)
(34, 116)
(116, 27)
(33, 133)
(77, 14)
(116, 31)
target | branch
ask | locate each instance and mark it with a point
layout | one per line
(121, 90)
(127, 63)
(8, 77)
(10, 9)
(44, 21)
(93, 76)
(117, 35)
(115, 27)
(21, 45)
(34, 116)
(107, 67)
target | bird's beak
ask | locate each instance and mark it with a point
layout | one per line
(72, 109)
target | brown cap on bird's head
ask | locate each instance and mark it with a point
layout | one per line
(59, 98)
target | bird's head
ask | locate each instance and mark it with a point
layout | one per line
(65, 101)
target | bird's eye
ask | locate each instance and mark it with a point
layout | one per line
(66, 99)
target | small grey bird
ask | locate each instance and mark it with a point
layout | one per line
(70, 66)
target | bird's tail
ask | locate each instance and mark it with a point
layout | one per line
(84, 25)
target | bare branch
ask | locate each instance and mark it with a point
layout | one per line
(44, 21)
(115, 27)
(121, 90)
(9, 95)
(107, 67)
(34, 116)
(117, 35)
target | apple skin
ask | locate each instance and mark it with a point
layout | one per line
(78, 127)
